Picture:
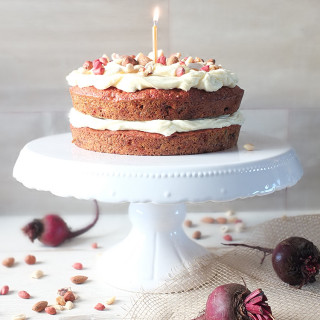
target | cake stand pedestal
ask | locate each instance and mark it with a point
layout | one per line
(157, 189)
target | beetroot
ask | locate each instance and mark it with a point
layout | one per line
(52, 230)
(295, 260)
(234, 301)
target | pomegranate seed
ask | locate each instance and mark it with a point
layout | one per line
(96, 64)
(99, 70)
(87, 65)
(94, 245)
(205, 68)
(24, 294)
(162, 60)
(227, 237)
(50, 310)
(99, 306)
(77, 266)
(180, 71)
(4, 290)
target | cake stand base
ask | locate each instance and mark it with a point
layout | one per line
(155, 246)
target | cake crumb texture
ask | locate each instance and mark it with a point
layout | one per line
(131, 142)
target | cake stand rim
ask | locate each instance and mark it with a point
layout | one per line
(96, 168)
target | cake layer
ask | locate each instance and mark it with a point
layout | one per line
(131, 142)
(151, 104)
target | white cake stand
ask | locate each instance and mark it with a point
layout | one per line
(157, 189)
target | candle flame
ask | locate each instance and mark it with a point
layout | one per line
(156, 15)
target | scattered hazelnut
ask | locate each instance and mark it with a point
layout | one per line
(196, 235)
(8, 262)
(188, 223)
(30, 259)
(69, 296)
(94, 245)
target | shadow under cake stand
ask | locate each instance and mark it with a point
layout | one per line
(157, 189)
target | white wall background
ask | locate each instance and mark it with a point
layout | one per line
(274, 47)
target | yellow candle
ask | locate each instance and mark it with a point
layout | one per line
(155, 33)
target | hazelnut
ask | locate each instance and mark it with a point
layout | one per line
(196, 235)
(172, 60)
(188, 223)
(128, 59)
(142, 59)
(30, 259)
(8, 262)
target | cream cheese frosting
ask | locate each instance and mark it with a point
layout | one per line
(162, 77)
(164, 127)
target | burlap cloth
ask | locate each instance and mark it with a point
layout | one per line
(190, 288)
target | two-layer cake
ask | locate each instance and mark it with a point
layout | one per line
(132, 105)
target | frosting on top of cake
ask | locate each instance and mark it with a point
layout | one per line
(164, 127)
(131, 74)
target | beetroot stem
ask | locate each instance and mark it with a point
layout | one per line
(266, 251)
(83, 230)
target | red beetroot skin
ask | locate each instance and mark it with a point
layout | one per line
(52, 230)
(222, 302)
(56, 230)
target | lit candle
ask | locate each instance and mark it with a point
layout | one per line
(155, 33)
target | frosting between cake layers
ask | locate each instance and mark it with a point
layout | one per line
(164, 127)
(162, 77)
